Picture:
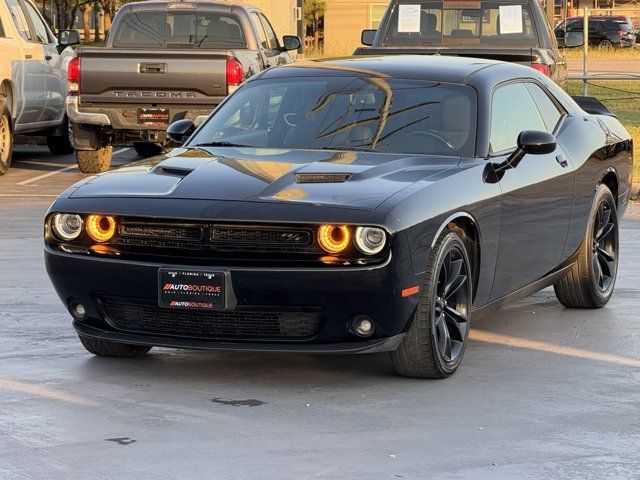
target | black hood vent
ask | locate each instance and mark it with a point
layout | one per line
(322, 177)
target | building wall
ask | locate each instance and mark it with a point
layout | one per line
(280, 13)
(344, 21)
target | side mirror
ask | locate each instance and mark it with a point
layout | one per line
(573, 39)
(180, 131)
(532, 142)
(291, 42)
(68, 37)
(367, 37)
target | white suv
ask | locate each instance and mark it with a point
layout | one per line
(33, 79)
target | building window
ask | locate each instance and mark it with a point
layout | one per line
(376, 13)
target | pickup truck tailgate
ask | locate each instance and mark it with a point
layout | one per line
(119, 75)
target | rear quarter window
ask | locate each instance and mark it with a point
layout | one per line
(207, 30)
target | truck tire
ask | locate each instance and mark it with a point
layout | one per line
(6, 139)
(94, 161)
(435, 343)
(146, 149)
(61, 144)
(590, 282)
(105, 348)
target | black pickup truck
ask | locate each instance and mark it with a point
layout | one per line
(512, 31)
(164, 61)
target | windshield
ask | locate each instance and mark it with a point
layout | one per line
(179, 30)
(460, 23)
(347, 113)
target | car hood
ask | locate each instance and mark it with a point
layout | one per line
(268, 175)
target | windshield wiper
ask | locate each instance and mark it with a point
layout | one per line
(219, 144)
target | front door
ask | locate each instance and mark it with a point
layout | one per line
(537, 195)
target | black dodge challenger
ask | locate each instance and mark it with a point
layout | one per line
(349, 205)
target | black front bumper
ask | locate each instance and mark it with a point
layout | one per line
(340, 294)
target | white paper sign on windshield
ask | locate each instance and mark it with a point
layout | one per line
(510, 19)
(409, 18)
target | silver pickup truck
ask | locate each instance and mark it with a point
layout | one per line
(164, 61)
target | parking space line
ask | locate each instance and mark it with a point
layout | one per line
(46, 175)
(31, 389)
(118, 152)
(518, 342)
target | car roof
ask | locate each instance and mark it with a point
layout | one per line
(182, 5)
(435, 68)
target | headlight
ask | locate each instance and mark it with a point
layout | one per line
(67, 226)
(370, 240)
(334, 238)
(101, 228)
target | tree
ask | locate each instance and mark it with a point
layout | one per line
(313, 16)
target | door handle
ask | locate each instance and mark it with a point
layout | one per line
(48, 57)
(562, 160)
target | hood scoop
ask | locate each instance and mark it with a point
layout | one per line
(322, 177)
(173, 171)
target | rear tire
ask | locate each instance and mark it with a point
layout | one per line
(605, 44)
(105, 348)
(6, 139)
(590, 282)
(94, 161)
(61, 144)
(435, 343)
(146, 149)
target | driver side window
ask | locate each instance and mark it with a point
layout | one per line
(512, 111)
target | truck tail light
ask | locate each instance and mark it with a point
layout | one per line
(234, 75)
(542, 68)
(73, 76)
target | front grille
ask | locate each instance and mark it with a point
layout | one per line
(216, 237)
(143, 316)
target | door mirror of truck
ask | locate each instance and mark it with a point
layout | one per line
(573, 39)
(367, 37)
(67, 38)
(291, 42)
(180, 131)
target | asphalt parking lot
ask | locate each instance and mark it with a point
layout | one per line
(544, 392)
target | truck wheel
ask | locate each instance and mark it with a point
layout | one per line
(590, 282)
(436, 341)
(6, 139)
(146, 149)
(62, 144)
(104, 348)
(94, 161)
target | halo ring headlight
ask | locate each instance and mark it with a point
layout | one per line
(67, 226)
(101, 228)
(370, 240)
(334, 238)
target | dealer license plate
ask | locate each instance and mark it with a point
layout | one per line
(153, 116)
(192, 289)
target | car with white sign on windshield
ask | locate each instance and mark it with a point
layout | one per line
(513, 31)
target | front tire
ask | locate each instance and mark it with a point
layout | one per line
(146, 149)
(6, 139)
(435, 343)
(590, 282)
(94, 161)
(61, 144)
(105, 348)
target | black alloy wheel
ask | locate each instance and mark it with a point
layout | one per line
(605, 241)
(451, 306)
(437, 338)
(592, 277)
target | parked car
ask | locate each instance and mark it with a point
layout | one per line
(604, 31)
(350, 205)
(513, 30)
(164, 61)
(33, 72)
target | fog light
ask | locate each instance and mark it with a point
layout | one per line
(78, 310)
(362, 326)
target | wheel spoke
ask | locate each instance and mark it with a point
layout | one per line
(604, 233)
(452, 277)
(457, 329)
(608, 256)
(604, 267)
(453, 289)
(597, 269)
(443, 336)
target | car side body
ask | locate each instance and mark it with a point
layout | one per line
(522, 225)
